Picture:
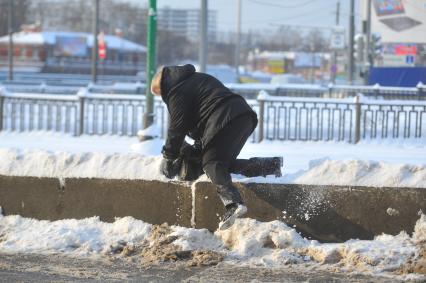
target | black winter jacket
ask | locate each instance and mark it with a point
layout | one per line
(199, 106)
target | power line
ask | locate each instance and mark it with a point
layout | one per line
(281, 6)
(310, 13)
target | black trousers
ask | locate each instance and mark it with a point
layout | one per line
(220, 154)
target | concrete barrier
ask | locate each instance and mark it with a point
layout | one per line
(52, 198)
(326, 213)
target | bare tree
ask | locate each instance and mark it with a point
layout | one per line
(77, 16)
(20, 12)
(173, 48)
(315, 41)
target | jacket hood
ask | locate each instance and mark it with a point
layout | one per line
(173, 76)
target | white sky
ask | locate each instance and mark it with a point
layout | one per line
(264, 14)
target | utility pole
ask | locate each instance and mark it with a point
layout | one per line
(150, 62)
(369, 56)
(95, 42)
(238, 43)
(10, 49)
(202, 56)
(334, 70)
(351, 42)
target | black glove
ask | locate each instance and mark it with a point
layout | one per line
(190, 152)
(170, 167)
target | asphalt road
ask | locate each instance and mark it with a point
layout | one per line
(58, 268)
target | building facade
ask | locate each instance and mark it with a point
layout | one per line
(71, 52)
(186, 22)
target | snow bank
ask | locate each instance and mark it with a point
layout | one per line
(247, 242)
(363, 173)
(41, 163)
(374, 163)
(73, 237)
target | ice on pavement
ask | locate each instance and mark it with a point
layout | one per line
(247, 242)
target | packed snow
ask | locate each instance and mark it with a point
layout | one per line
(385, 163)
(247, 242)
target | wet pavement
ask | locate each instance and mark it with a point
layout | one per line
(59, 268)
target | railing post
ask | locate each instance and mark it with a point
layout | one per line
(261, 101)
(261, 119)
(357, 135)
(420, 90)
(376, 88)
(1, 109)
(81, 97)
(330, 90)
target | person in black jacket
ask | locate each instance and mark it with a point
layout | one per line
(218, 120)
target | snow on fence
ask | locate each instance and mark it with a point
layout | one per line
(280, 118)
(250, 91)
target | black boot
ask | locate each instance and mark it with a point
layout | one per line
(233, 211)
(258, 166)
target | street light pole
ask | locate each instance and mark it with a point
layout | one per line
(150, 62)
(368, 43)
(238, 43)
(351, 66)
(95, 42)
(334, 67)
(10, 48)
(203, 36)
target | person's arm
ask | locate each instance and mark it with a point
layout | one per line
(179, 108)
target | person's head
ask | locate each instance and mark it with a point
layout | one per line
(156, 82)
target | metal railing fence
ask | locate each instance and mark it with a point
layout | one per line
(322, 119)
(280, 118)
(85, 113)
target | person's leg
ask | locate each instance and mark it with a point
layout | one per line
(218, 172)
(258, 166)
(222, 152)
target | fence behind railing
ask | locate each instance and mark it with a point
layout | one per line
(280, 118)
(248, 91)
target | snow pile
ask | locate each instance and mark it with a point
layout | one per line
(40, 163)
(263, 243)
(384, 163)
(419, 234)
(363, 173)
(153, 131)
(247, 242)
(74, 237)
(273, 244)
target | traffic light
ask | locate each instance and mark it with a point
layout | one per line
(359, 48)
(376, 45)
